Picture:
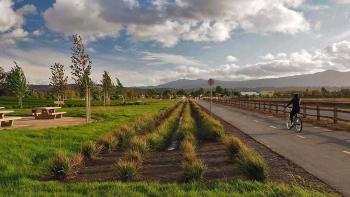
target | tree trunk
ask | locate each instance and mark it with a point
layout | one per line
(87, 104)
(20, 103)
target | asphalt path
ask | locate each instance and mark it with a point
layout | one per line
(322, 152)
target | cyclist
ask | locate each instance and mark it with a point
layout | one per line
(296, 106)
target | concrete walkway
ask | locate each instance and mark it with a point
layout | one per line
(322, 152)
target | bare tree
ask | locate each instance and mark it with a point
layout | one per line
(16, 83)
(107, 88)
(58, 81)
(81, 71)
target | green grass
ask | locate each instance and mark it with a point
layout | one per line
(26, 153)
(229, 188)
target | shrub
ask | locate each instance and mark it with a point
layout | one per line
(253, 165)
(126, 170)
(124, 134)
(133, 156)
(193, 170)
(139, 144)
(233, 146)
(107, 142)
(188, 150)
(88, 149)
(60, 166)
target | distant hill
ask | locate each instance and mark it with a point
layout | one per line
(328, 78)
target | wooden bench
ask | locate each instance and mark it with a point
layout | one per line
(58, 114)
(8, 122)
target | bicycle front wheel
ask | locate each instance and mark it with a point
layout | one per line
(298, 124)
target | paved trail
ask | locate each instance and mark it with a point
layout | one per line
(323, 153)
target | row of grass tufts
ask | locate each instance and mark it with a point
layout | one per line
(126, 136)
(251, 163)
(193, 168)
(140, 145)
(210, 129)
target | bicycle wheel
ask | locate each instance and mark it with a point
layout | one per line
(288, 123)
(298, 124)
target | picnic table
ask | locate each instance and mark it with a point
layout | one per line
(7, 121)
(47, 113)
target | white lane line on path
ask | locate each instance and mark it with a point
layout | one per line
(301, 136)
(256, 121)
(346, 152)
(273, 127)
(316, 127)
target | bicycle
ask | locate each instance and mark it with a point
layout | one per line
(297, 122)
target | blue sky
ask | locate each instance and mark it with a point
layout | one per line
(148, 42)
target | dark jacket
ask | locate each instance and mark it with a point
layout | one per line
(296, 104)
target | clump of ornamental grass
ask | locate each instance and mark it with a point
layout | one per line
(233, 146)
(60, 166)
(133, 156)
(139, 144)
(193, 170)
(124, 134)
(126, 170)
(188, 150)
(88, 149)
(253, 165)
(145, 124)
(106, 142)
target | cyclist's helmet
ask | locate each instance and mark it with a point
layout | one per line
(295, 95)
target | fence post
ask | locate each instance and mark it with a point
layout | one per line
(318, 112)
(270, 107)
(304, 111)
(276, 108)
(335, 117)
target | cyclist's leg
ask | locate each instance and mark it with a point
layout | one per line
(292, 114)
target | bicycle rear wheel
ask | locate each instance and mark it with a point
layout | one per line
(298, 124)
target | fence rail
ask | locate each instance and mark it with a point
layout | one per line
(337, 111)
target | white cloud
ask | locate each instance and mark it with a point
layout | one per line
(27, 9)
(167, 22)
(268, 56)
(333, 57)
(164, 58)
(12, 21)
(84, 18)
(342, 1)
(34, 65)
(231, 58)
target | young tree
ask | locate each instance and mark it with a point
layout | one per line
(107, 88)
(2, 80)
(16, 83)
(120, 90)
(58, 81)
(81, 71)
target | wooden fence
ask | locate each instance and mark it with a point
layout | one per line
(331, 110)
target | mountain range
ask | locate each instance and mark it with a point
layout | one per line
(328, 78)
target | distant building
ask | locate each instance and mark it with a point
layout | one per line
(267, 93)
(249, 94)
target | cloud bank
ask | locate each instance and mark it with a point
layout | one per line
(169, 21)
